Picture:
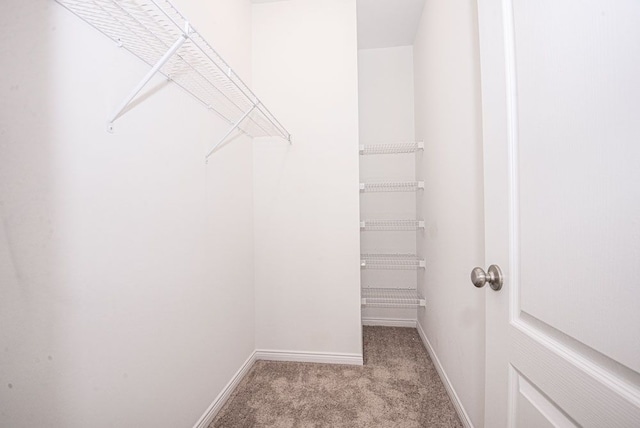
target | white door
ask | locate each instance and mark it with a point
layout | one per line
(561, 117)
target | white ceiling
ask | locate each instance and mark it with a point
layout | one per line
(384, 23)
(388, 23)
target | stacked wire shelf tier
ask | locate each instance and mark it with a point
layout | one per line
(391, 298)
(158, 34)
(392, 225)
(391, 261)
(391, 148)
(392, 186)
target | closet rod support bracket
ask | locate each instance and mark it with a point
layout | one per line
(156, 68)
(233, 128)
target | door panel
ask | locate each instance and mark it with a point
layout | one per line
(578, 180)
(561, 118)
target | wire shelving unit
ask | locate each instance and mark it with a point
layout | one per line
(158, 34)
(392, 186)
(391, 298)
(391, 148)
(392, 225)
(391, 261)
(402, 297)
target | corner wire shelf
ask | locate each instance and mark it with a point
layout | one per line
(391, 261)
(392, 186)
(159, 35)
(391, 148)
(391, 298)
(391, 225)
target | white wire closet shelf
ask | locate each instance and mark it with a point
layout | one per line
(391, 148)
(392, 186)
(391, 261)
(391, 298)
(157, 33)
(391, 225)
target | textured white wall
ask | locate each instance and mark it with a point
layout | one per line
(306, 195)
(386, 105)
(125, 261)
(448, 120)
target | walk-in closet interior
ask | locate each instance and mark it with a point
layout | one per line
(188, 187)
(196, 195)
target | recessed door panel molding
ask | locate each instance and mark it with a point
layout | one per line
(534, 409)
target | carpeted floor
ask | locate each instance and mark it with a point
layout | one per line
(398, 387)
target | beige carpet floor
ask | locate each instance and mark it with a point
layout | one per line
(398, 387)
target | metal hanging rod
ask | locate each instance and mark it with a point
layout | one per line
(158, 34)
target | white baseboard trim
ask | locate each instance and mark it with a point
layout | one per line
(462, 414)
(309, 357)
(224, 395)
(389, 322)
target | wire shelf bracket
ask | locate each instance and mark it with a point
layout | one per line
(159, 35)
(154, 70)
(233, 128)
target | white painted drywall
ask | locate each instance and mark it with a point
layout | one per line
(386, 105)
(307, 272)
(125, 262)
(448, 119)
(386, 95)
(388, 23)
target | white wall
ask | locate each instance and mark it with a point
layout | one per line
(448, 119)
(306, 195)
(386, 95)
(125, 262)
(386, 105)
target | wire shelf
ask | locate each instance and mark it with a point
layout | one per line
(391, 225)
(391, 148)
(391, 298)
(392, 186)
(158, 34)
(391, 261)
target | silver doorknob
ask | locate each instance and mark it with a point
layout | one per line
(493, 277)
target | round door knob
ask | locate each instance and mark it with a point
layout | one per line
(493, 276)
